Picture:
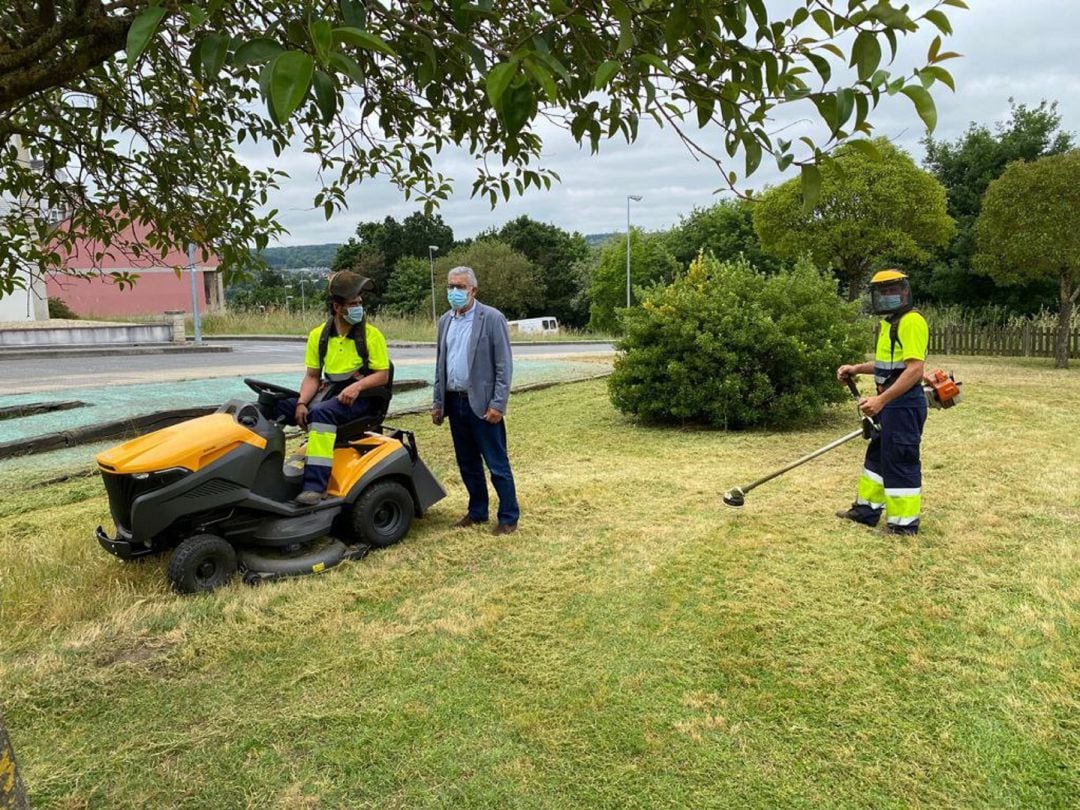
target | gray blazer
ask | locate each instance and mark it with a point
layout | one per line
(490, 362)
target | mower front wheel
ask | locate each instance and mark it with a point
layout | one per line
(201, 563)
(383, 514)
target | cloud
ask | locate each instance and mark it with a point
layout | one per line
(1025, 51)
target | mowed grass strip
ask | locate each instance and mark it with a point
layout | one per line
(636, 643)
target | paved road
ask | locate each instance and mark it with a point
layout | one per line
(246, 357)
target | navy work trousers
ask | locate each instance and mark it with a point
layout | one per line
(323, 420)
(477, 442)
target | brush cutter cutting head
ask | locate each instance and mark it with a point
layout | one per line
(734, 497)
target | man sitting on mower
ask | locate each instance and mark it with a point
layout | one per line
(351, 355)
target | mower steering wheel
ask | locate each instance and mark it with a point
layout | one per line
(277, 391)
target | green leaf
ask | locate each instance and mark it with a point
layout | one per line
(290, 80)
(821, 64)
(866, 54)
(363, 39)
(141, 32)
(753, 155)
(868, 148)
(939, 73)
(924, 104)
(544, 79)
(845, 104)
(939, 19)
(256, 52)
(604, 74)
(955, 3)
(322, 37)
(498, 79)
(824, 20)
(213, 51)
(196, 16)
(343, 63)
(810, 182)
(353, 13)
(326, 96)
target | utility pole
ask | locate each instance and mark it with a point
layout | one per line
(635, 198)
(194, 294)
(431, 251)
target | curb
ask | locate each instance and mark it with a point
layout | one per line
(104, 351)
(404, 344)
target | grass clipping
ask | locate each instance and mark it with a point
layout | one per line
(634, 644)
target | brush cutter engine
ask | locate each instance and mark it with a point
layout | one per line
(941, 389)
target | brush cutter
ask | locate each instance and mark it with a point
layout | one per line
(736, 496)
(941, 390)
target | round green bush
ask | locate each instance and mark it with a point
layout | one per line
(723, 345)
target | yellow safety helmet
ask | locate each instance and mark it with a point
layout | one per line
(881, 276)
(890, 292)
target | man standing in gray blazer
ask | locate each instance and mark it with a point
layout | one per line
(473, 367)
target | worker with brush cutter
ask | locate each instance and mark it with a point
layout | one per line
(891, 479)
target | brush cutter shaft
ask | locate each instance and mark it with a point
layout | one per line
(808, 457)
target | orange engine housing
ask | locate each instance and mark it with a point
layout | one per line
(946, 390)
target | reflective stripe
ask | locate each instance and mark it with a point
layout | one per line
(871, 504)
(322, 427)
(873, 476)
(892, 492)
(321, 443)
(903, 506)
(318, 461)
(901, 521)
(342, 376)
(889, 366)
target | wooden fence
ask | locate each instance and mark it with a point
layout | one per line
(1011, 341)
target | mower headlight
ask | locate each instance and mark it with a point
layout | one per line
(162, 477)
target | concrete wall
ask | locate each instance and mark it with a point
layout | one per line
(86, 335)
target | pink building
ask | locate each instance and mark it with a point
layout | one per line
(157, 289)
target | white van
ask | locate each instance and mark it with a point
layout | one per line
(534, 326)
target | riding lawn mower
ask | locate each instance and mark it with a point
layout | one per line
(219, 491)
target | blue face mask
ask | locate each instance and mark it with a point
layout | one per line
(457, 298)
(354, 314)
(889, 303)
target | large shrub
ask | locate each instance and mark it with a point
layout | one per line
(726, 346)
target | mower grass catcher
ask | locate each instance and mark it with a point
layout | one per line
(219, 491)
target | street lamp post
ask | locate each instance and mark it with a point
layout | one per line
(635, 198)
(431, 251)
(194, 294)
(303, 298)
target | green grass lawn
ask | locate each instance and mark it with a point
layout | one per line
(635, 644)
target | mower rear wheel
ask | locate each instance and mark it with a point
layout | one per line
(383, 514)
(201, 563)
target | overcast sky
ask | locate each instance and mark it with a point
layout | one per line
(1029, 51)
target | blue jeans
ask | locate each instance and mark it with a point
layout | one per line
(477, 442)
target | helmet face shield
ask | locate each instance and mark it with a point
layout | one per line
(888, 297)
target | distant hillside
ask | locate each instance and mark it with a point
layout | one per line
(284, 258)
(595, 239)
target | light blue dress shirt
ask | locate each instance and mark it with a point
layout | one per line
(458, 333)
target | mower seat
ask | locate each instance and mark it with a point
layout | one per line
(380, 397)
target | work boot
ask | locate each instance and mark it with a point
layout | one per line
(861, 514)
(308, 497)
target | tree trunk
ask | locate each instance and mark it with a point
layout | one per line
(1065, 297)
(12, 789)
